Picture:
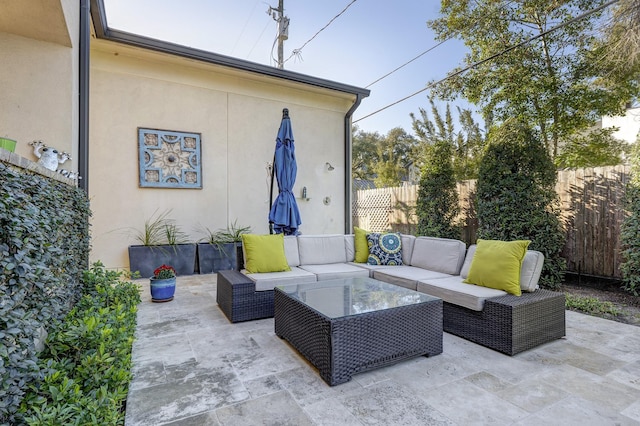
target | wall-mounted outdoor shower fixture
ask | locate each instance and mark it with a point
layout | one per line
(305, 196)
(329, 166)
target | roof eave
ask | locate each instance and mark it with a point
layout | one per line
(98, 15)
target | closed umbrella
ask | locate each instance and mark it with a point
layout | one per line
(284, 216)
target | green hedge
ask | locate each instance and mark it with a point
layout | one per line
(88, 357)
(516, 197)
(44, 249)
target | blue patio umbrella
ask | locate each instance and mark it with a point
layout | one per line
(284, 216)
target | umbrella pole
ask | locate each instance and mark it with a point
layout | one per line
(273, 164)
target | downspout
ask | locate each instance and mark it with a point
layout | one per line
(83, 94)
(348, 190)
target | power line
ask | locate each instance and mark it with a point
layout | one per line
(298, 51)
(478, 63)
(244, 27)
(407, 63)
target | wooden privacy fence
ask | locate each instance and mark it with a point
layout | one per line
(591, 210)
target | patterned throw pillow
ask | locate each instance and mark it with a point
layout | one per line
(384, 249)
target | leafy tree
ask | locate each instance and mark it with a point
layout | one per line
(437, 204)
(516, 196)
(619, 49)
(466, 144)
(555, 83)
(384, 159)
(597, 148)
(364, 153)
(630, 232)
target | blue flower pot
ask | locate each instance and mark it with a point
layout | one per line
(162, 290)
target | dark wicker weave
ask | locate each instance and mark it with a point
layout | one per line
(341, 347)
(510, 324)
(237, 297)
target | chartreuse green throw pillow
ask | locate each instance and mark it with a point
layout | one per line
(264, 253)
(361, 245)
(497, 264)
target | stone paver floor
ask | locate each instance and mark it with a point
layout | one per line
(193, 367)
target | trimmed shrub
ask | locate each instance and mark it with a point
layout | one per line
(87, 359)
(516, 197)
(437, 204)
(630, 229)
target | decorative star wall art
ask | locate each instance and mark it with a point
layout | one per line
(169, 159)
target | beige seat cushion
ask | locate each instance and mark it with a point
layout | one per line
(268, 280)
(334, 271)
(454, 291)
(405, 276)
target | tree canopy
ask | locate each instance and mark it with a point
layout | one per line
(383, 159)
(559, 83)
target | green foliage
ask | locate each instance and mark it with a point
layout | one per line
(594, 149)
(466, 145)
(558, 83)
(516, 197)
(231, 234)
(87, 359)
(437, 203)
(590, 305)
(385, 159)
(160, 229)
(630, 229)
(44, 248)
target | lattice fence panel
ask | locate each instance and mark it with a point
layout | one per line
(371, 209)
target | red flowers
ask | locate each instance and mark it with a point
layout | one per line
(163, 272)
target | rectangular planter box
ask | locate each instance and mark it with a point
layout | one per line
(219, 257)
(147, 258)
(8, 144)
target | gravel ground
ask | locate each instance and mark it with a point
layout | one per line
(606, 290)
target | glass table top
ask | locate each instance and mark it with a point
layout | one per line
(351, 296)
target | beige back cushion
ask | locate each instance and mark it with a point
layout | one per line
(438, 254)
(321, 249)
(291, 250)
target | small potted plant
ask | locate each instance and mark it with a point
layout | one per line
(221, 249)
(163, 284)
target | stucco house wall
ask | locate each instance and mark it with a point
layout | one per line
(237, 114)
(39, 41)
(235, 106)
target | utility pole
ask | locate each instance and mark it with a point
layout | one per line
(283, 29)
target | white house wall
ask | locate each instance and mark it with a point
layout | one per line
(237, 114)
(628, 124)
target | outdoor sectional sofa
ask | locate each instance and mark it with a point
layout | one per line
(493, 318)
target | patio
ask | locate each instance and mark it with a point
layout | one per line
(193, 367)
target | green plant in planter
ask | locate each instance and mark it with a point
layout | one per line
(231, 234)
(221, 249)
(161, 242)
(154, 232)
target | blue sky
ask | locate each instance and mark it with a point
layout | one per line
(369, 40)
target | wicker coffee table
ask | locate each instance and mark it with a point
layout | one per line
(348, 326)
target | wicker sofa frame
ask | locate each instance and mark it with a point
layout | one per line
(510, 324)
(507, 324)
(237, 297)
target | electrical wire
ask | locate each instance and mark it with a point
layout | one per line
(298, 51)
(258, 40)
(244, 27)
(478, 63)
(407, 63)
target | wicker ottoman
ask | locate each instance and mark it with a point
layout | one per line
(237, 297)
(348, 326)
